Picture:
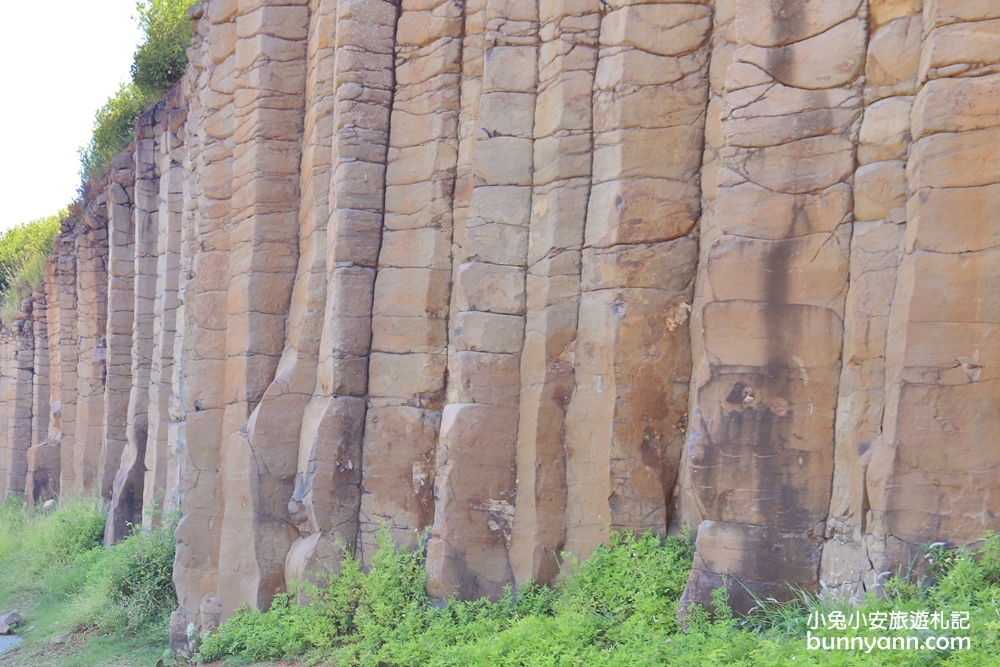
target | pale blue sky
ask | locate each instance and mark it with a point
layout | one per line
(60, 60)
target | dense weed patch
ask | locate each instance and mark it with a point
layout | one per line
(56, 570)
(602, 613)
(617, 608)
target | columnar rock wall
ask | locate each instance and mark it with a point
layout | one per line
(505, 276)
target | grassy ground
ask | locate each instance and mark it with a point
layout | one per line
(85, 605)
(615, 609)
(82, 604)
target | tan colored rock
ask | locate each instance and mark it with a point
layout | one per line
(966, 47)
(894, 53)
(830, 59)
(505, 276)
(878, 189)
(758, 22)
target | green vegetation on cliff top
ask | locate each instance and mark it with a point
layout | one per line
(156, 66)
(23, 250)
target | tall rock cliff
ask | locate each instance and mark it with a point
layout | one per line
(505, 275)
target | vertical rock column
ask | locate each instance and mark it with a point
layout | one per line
(474, 489)
(65, 409)
(8, 388)
(410, 313)
(21, 350)
(761, 439)
(876, 249)
(169, 116)
(42, 372)
(685, 510)
(196, 437)
(117, 454)
(40, 400)
(92, 320)
(279, 416)
(42, 482)
(563, 124)
(128, 498)
(625, 423)
(258, 470)
(277, 422)
(934, 477)
(326, 497)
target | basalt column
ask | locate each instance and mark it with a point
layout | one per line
(196, 436)
(935, 475)
(563, 121)
(121, 310)
(277, 421)
(258, 463)
(92, 319)
(625, 422)
(42, 481)
(40, 454)
(42, 371)
(876, 249)
(410, 312)
(169, 117)
(8, 388)
(145, 230)
(325, 500)
(474, 488)
(19, 379)
(761, 440)
(65, 410)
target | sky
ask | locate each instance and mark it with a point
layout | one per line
(59, 63)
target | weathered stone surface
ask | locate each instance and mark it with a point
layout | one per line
(504, 276)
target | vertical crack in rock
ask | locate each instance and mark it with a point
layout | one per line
(932, 474)
(258, 437)
(324, 502)
(467, 553)
(563, 131)
(199, 398)
(773, 282)
(625, 422)
(407, 370)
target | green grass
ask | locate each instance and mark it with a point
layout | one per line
(23, 250)
(110, 606)
(157, 64)
(105, 606)
(618, 608)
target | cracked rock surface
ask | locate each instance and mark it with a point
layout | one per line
(505, 275)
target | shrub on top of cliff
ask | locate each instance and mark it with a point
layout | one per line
(158, 63)
(160, 60)
(114, 129)
(23, 250)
